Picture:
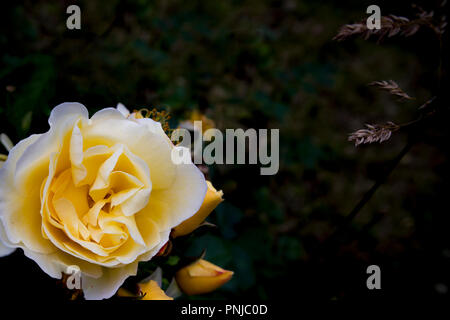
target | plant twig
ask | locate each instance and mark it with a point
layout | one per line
(392, 25)
(369, 193)
(381, 132)
(393, 88)
(373, 133)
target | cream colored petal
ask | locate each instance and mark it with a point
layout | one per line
(108, 114)
(107, 285)
(79, 172)
(149, 231)
(169, 207)
(57, 263)
(67, 215)
(24, 171)
(100, 187)
(92, 160)
(62, 121)
(4, 248)
(22, 205)
(92, 215)
(135, 166)
(67, 110)
(133, 252)
(71, 248)
(128, 252)
(71, 225)
(157, 210)
(123, 110)
(152, 126)
(163, 238)
(129, 222)
(152, 148)
(135, 203)
(122, 196)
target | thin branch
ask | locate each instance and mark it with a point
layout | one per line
(382, 132)
(369, 194)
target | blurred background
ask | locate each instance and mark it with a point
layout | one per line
(257, 64)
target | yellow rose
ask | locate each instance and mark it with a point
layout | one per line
(201, 277)
(100, 193)
(212, 199)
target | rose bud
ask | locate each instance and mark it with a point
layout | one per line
(201, 277)
(151, 291)
(212, 199)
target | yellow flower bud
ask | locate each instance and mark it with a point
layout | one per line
(207, 123)
(152, 291)
(201, 277)
(212, 200)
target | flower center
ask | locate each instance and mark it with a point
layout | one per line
(87, 222)
(89, 207)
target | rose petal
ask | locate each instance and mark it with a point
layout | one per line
(148, 146)
(107, 285)
(180, 201)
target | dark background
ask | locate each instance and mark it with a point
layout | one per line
(257, 64)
